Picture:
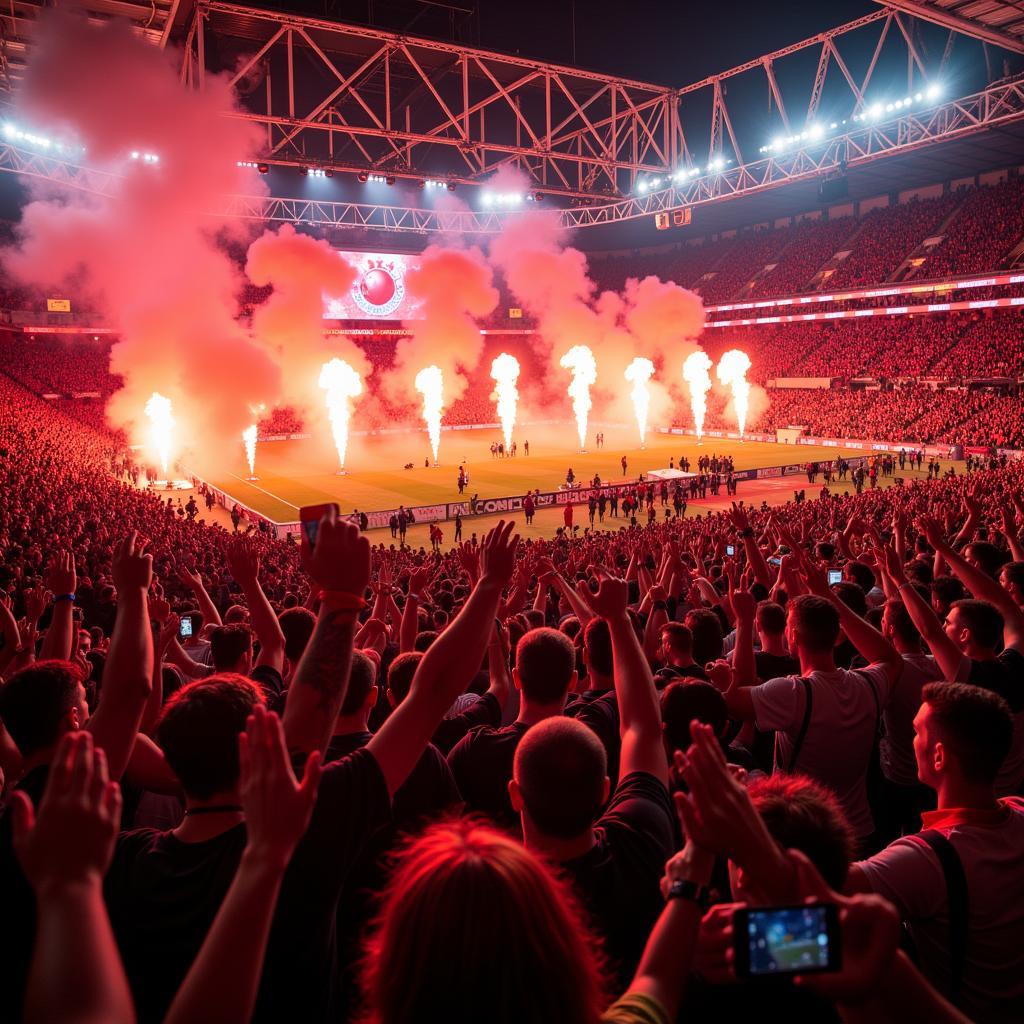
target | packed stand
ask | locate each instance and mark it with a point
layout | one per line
(66, 366)
(985, 230)
(812, 244)
(663, 736)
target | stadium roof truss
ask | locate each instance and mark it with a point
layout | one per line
(351, 97)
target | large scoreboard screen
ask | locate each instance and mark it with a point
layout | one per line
(379, 291)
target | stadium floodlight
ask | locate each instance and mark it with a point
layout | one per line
(934, 91)
(816, 131)
(641, 186)
(875, 111)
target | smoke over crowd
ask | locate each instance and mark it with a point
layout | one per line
(168, 275)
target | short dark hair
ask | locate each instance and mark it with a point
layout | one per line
(686, 699)
(816, 621)
(852, 596)
(987, 555)
(597, 642)
(801, 814)
(975, 724)
(706, 628)
(400, 673)
(861, 575)
(947, 589)
(983, 619)
(545, 662)
(1014, 572)
(361, 679)
(35, 699)
(297, 625)
(901, 622)
(771, 618)
(560, 767)
(680, 639)
(423, 640)
(198, 731)
(228, 644)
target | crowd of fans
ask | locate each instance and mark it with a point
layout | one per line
(61, 364)
(811, 245)
(520, 781)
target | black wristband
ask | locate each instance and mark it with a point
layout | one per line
(747, 532)
(686, 889)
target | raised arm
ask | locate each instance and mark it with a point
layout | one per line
(979, 583)
(223, 980)
(755, 556)
(639, 714)
(61, 582)
(340, 564)
(244, 563)
(64, 847)
(948, 656)
(450, 664)
(127, 678)
(191, 579)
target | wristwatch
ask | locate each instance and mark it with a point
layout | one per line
(686, 889)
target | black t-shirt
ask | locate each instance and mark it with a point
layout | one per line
(774, 666)
(693, 671)
(163, 894)
(271, 683)
(619, 879)
(484, 711)
(601, 713)
(428, 792)
(1003, 675)
(482, 765)
(18, 931)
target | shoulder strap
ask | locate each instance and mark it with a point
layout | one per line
(957, 901)
(804, 725)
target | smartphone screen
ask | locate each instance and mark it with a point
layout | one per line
(310, 516)
(835, 576)
(774, 941)
(730, 549)
(185, 626)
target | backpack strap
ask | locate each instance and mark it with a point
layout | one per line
(804, 725)
(957, 901)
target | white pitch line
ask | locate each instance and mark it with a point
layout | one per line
(269, 494)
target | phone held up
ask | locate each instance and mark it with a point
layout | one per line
(185, 627)
(773, 942)
(309, 520)
(835, 576)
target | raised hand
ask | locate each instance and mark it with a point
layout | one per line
(60, 573)
(277, 807)
(159, 610)
(70, 837)
(189, 577)
(131, 568)
(341, 559)
(36, 600)
(743, 601)
(498, 553)
(469, 559)
(243, 561)
(612, 597)
(932, 531)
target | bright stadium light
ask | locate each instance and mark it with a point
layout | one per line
(934, 91)
(816, 131)
(641, 186)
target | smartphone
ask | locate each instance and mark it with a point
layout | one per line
(185, 627)
(780, 941)
(775, 561)
(310, 516)
(730, 549)
(835, 576)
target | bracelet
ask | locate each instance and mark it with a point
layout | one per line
(415, 597)
(659, 606)
(64, 597)
(342, 601)
(747, 532)
(687, 889)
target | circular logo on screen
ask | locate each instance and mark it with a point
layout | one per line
(380, 289)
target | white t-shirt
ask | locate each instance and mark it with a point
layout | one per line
(844, 719)
(991, 849)
(896, 751)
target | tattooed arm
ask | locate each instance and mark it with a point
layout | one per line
(340, 564)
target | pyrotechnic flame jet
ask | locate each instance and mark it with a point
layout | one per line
(696, 375)
(579, 360)
(732, 371)
(505, 371)
(638, 373)
(158, 409)
(342, 384)
(249, 440)
(430, 384)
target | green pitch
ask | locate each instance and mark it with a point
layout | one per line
(303, 472)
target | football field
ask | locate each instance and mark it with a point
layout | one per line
(301, 472)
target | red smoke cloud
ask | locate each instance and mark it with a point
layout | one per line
(147, 254)
(454, 289)
(290, 323)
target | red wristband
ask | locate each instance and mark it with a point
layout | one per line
(342, 601)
